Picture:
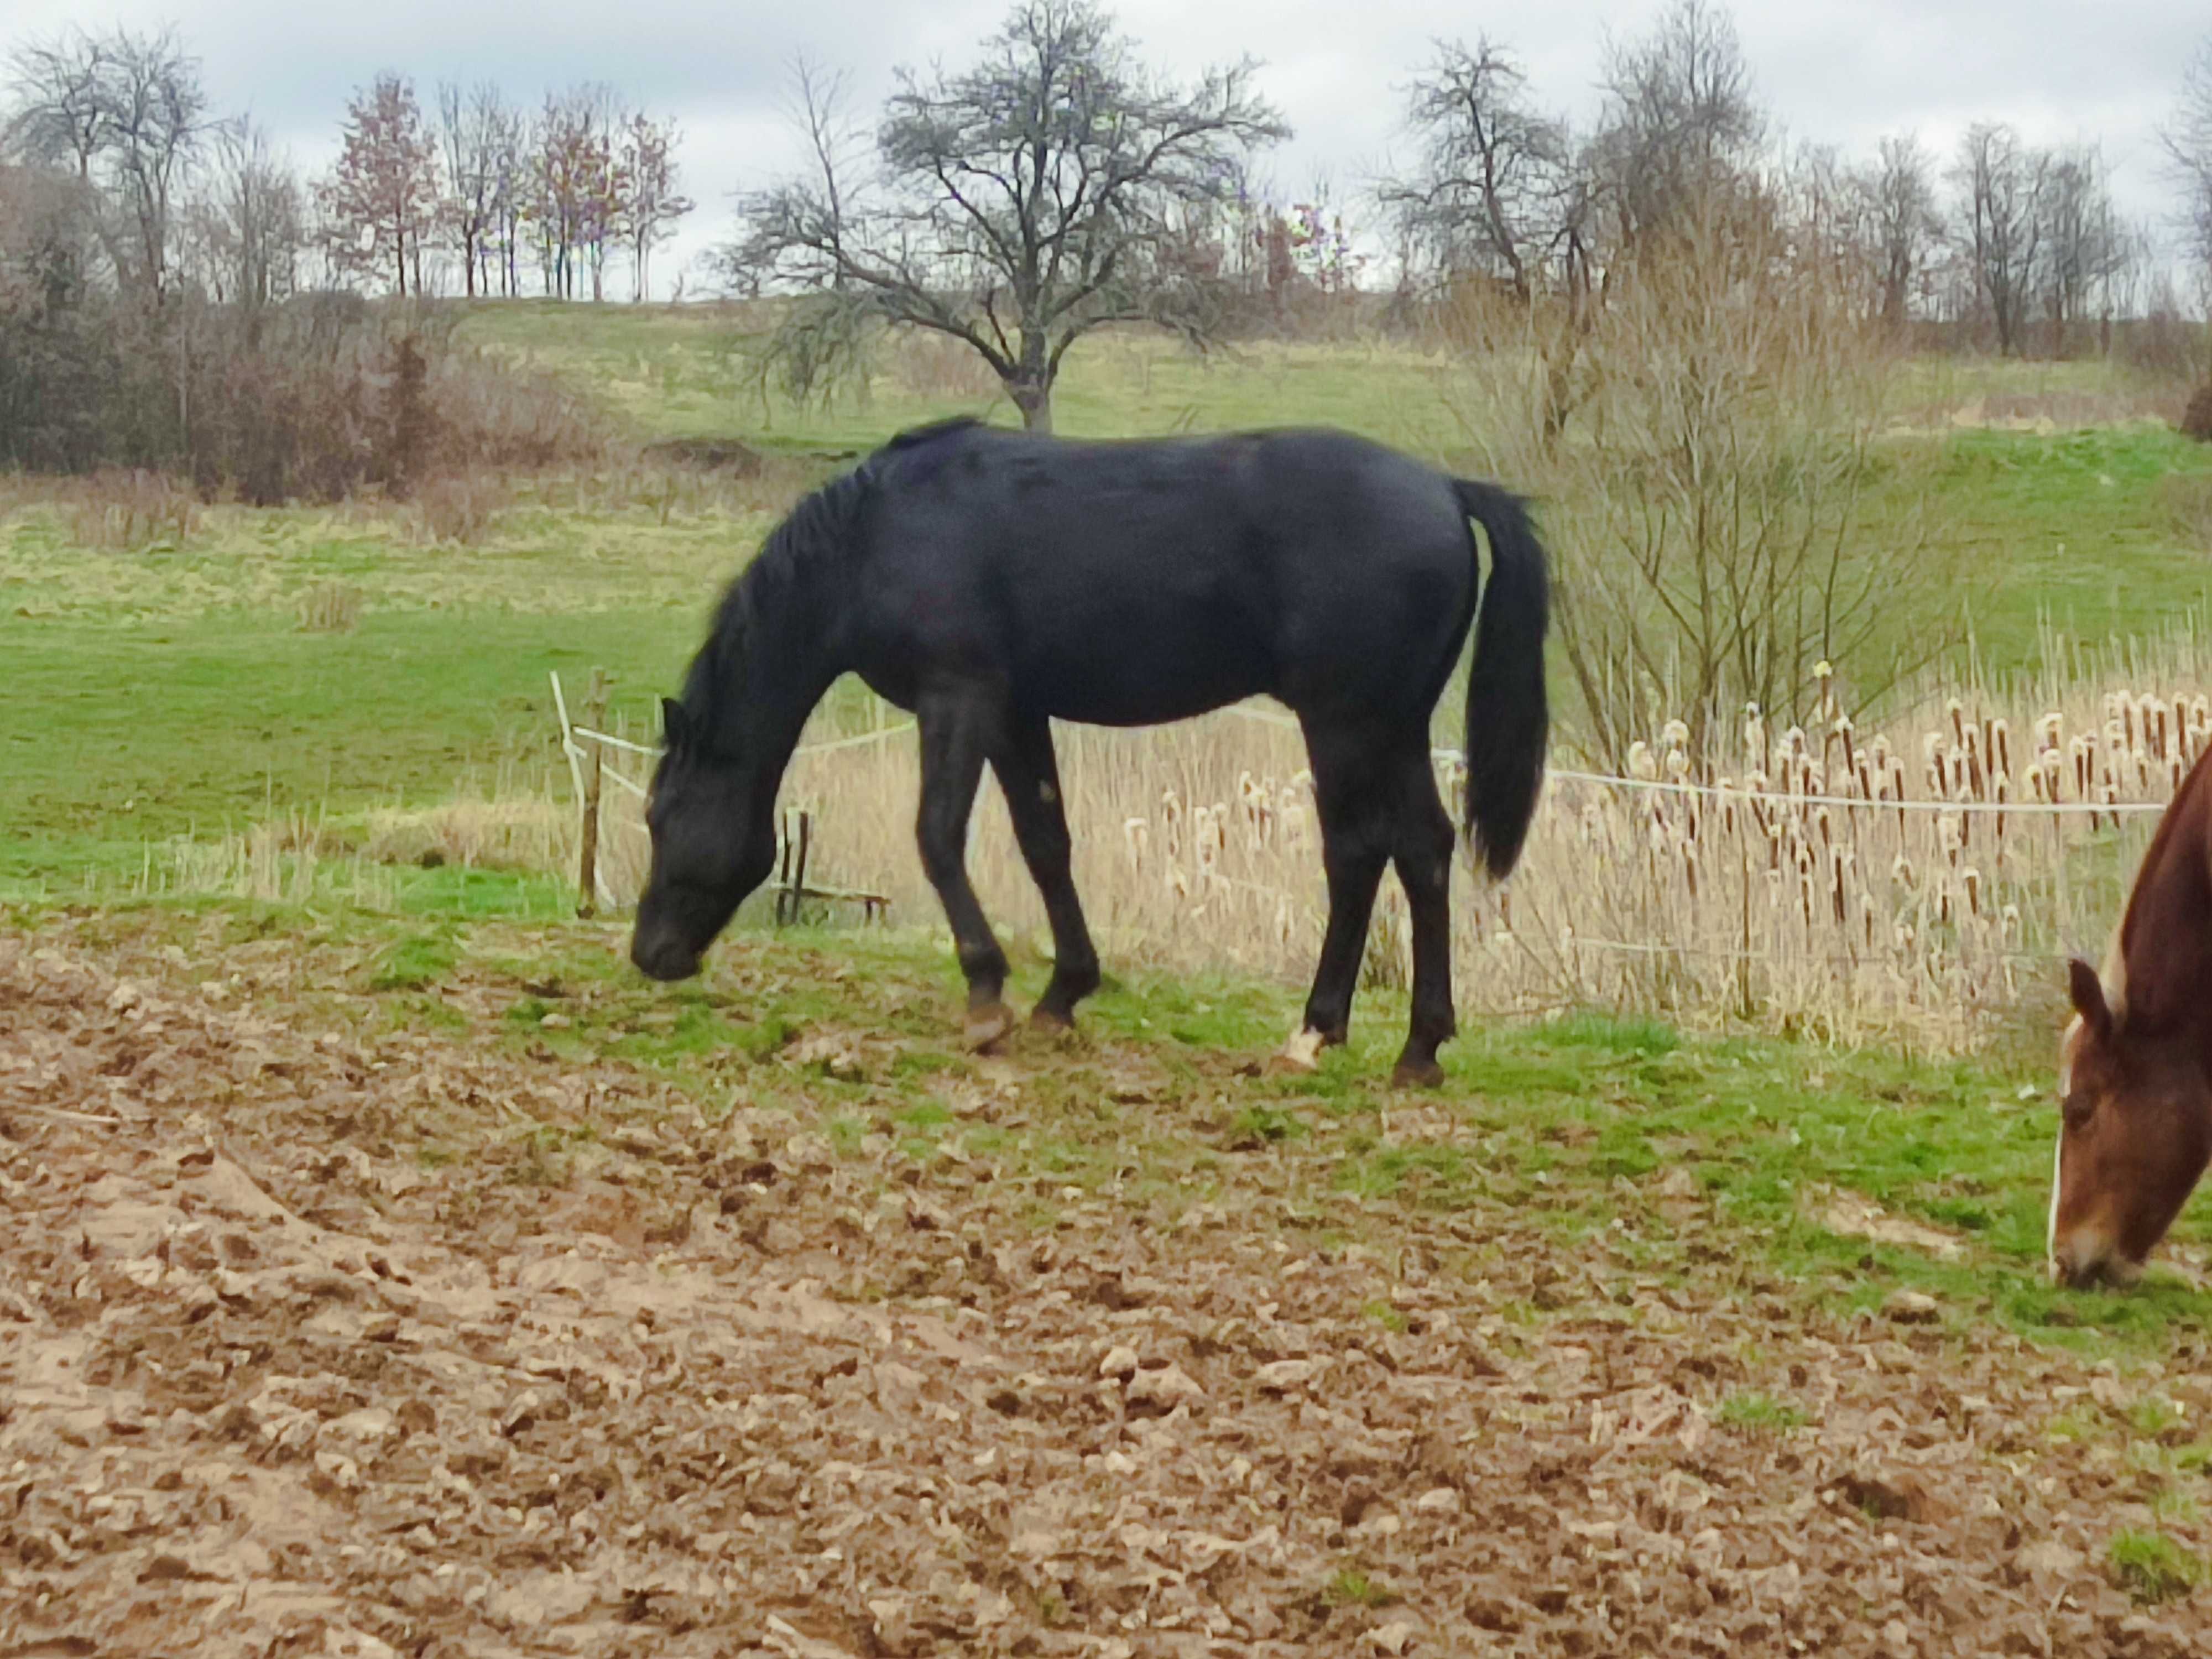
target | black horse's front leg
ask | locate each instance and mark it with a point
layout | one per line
(958, 729)
(1029, 775)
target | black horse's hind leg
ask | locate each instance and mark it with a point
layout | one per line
(1355, 794)
(1423, 853)
(958, 729)
(1030, 777)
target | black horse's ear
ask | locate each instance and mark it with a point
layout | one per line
(2087, 992)
(673, 731)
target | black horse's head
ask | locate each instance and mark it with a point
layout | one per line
(714, 842)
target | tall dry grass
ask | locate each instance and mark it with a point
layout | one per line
(1820, 878)
(1701, 441)
(130, 510)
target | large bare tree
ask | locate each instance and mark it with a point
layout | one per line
(1014, 206)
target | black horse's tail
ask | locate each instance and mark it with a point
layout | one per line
(1508, 722)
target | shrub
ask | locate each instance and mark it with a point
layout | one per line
(130, 512)
(2196, 418)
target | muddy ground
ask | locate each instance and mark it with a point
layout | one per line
(272, 1382)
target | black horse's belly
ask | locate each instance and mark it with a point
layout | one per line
(1140, 663)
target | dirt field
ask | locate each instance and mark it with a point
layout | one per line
(622, 1381)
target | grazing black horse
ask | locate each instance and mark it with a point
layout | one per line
(991, 581)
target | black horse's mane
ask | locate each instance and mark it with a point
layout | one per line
(802, 556)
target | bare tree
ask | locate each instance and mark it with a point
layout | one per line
(1904, 221)
(253, 219)
(1494, 172)
(651, 206)
(2085, 248)
(60, 112)
(130, 112)
(381, 201)
(155, 117)
(1017, 205)
(2000, 180)
(1680, 117)
(2188, 140)
(473, 128)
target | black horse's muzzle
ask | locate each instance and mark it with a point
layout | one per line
(662, 956)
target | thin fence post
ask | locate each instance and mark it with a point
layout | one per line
(587, 893)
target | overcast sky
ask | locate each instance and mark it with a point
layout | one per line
(1841, 71)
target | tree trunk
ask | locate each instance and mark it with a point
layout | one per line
(469, 264)
(1034, 398)
(1031, 384)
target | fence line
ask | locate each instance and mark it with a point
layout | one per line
(1601, 780)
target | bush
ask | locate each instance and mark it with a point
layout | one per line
(310, 400)
(2196, 418)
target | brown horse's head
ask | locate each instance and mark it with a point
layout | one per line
(2135, 1134)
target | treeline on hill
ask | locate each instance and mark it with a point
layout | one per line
(174, 293)
(166, 279)
(1055, 185)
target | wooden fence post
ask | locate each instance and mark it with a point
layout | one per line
(587, 894)
(791, 884)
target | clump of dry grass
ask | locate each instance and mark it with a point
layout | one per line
(515, 832)
(131, 510)
(329, 608)
(455, 509)
(672, 481)
(289, 861)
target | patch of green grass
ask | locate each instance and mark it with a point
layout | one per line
(1353, 1587)
(1385, 1315)
(414, 961)
(1264, 1125)
(1760, 1414)
(2152, 1568)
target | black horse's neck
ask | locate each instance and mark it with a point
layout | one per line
(773, 651)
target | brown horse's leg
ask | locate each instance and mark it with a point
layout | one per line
(1029, 775)
(957, 729)
(1423, 853)
(1354, 798)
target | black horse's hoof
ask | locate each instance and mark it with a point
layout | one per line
(1417, 1074)
(1048, 1021)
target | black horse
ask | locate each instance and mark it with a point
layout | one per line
(991, 582)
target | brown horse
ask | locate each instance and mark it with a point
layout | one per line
(2135, 1069)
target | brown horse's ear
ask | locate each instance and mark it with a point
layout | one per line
(672, 727)
(2088, 992)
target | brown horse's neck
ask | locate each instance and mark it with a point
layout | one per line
(2165, 950)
